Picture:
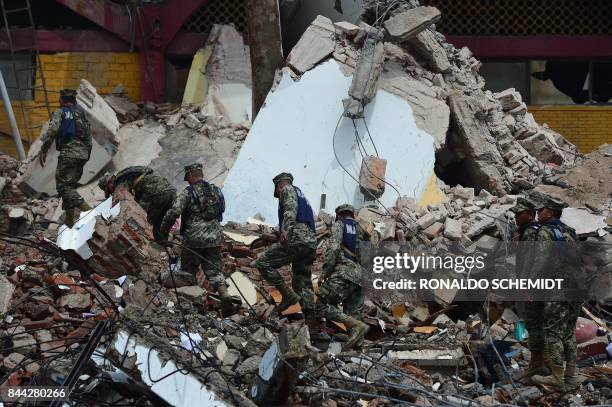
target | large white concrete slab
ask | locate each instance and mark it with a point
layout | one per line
(294, 132)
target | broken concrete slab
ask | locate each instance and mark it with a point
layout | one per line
(308, 154)
(430, 49)
(228, 97)
(509, 99)
(365, 78)
(37, 181)
(372, 176)
(315, 45)
(403, 26)
(482, 157)
(126, 110)
(431, 113)
(583, 222)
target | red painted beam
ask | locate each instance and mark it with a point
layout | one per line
(156, 27)
(67, 41)
(535, 47)
(108, 15)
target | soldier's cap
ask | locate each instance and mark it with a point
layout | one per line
(552, 203)
(280, 177)
(193, 167)
(103, 181)
(345, 208)
(68, 93)
(524, 204)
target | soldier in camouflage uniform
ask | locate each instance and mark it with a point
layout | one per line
(201, 206)
(342, 276)
(70, 130)
(559, 317)
(297, 246)
(153, 192)
(525, 217)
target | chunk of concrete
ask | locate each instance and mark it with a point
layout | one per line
(432, 51)
(193, 293)
(6, 293)
(372, 176)
(406, 25)
(426, 220)
(281, 365)
(315, 45)
(347, 28)
(509, 99)
(365, 78)
(75, 302)
(452, 229)
(434, 230)
(429, 357)
(126, 110)
(481, 156)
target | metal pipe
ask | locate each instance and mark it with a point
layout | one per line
(11, 118)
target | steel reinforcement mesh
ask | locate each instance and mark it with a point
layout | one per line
(219, 12)
(524, 17)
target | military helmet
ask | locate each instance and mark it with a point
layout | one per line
(193, 167)
(524, 204)
(345, 208)
(280, 177)
(68, 93)
(553, 203)
(103, 181)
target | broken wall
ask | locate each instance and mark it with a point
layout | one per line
(300, 129)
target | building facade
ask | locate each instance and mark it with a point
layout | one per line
(557, 53)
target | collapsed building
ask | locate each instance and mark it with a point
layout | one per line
(385, 115)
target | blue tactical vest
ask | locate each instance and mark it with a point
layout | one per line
(68, 127)
(304, 213)
(555, 226)
(349, 239)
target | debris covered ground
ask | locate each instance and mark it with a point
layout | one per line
(102, 309)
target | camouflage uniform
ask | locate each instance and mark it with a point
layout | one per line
(343, 280)
(201, 229)
(300, 251)
(73, 154)
(524, 261)
(559, 317)
(152, 192)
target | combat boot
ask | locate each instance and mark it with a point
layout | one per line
(289, 297)
(571, 377)
(227, 305)
(555, 380)
(358, 331)
(85, 207)
(537, 366)
(69, 217)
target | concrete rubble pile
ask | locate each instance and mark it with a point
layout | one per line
(156, 335)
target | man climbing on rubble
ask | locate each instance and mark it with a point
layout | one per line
(296, 246)
(70, 130)
(342, 275)
(559, 317)
(201, 206)
(153, 192)
(525, 217)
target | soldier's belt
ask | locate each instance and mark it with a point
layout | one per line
(349, 253)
